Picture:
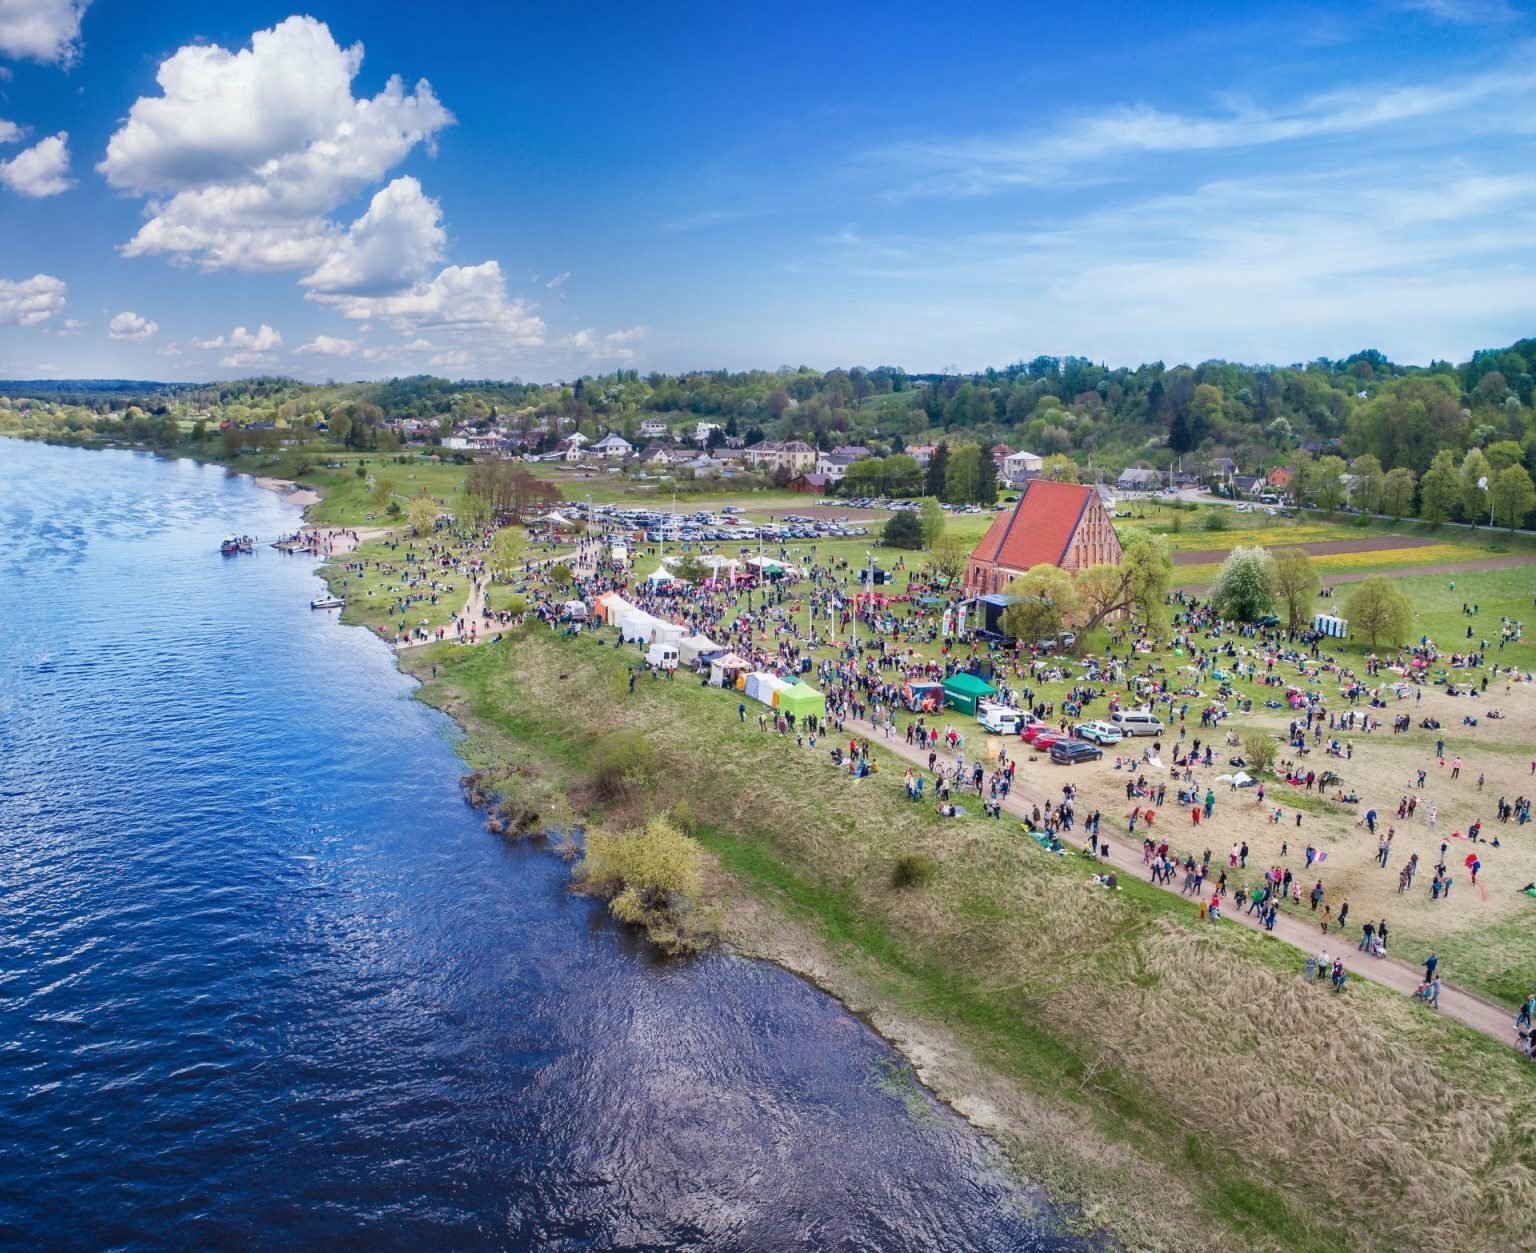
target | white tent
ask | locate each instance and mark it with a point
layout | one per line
(555, 518)
(722, 567)
(723, 669)
(661, 575)
(614, 610)
(693, 646)
(761, 686)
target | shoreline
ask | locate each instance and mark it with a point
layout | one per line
(290, 491)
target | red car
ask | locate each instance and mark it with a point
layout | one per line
(1035, 730)
(1047, 739)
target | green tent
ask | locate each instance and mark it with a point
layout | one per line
(802, 700)
(964, 691)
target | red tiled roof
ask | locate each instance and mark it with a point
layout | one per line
(1037, 530)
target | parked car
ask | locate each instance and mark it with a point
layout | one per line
(1098, 732)
(1136, 722)
(1000, 718)
(1048, 740)
(1035, 730)
(1268, 620)
(1070, 752)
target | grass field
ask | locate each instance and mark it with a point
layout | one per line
(1176, 1078)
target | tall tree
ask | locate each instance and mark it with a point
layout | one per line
(1138, 585)
(1476, 478)
(1440, 488)
(1397, 492)
(1245, 585)
(1514, 496)
(1040, 600)
(936, 470)
(1296, 582)
(1378, 610)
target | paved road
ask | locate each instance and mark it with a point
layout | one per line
(1125, 856)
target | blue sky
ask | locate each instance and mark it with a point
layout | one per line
(194, 191)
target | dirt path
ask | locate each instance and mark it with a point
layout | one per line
(1318, 548)
(469, 625)
(1407, 572)
(1125, 855)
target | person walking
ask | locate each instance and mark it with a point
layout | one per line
(1430, 963)
(1434, 993)
(1367, 934)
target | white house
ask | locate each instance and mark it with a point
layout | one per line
(612, 448)
(1019, 465)
(653, 428)
(703, 430)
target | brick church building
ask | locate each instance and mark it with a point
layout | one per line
(1059, 524)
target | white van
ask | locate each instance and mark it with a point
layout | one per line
(1135, 722)
(1000, 718)
(662, 656)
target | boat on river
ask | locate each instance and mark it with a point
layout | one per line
(327, 602)
(237, 544)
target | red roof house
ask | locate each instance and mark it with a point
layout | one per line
(1058, 524)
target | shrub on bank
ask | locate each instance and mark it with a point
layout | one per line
(623, 763)
(651, 876)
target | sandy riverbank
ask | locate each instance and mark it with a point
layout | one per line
(290, 491)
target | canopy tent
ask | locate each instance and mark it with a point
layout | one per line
(661, 575)
(614, 608)
(963, 691)
(768, 568)
(556, 518)
(724, 669)
(802, 700)
(692, 647)
(730, 566)
(637, 625)
(763, 687)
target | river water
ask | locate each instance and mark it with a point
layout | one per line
(265, 980)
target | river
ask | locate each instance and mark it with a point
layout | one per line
(264, 979)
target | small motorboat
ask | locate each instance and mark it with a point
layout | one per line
(230, 547)
(327, 602)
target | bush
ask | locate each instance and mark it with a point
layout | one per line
(623, 762)
(651, 876)
(913, 870)
(1259, 751)
(682, 817)
(1216, 520)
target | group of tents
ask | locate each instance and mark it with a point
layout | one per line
(670, 643)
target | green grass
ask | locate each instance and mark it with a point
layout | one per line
(1141, 1029)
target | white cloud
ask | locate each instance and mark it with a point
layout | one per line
(613, 346)
(246, 360)
(29, 301)
(559, 281)
(391, 244)
(70, 328)
(464, 300)
(131, 327)
(1276, 267)
(245, 154)
(170, 350)
(42, 170)
(41, 30)
(452, 359)
(10, 133)
(327, 346)
(1467, 11)
(1088, 147)
(264, 339)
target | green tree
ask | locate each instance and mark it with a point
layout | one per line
(1378, 610)
(651, 876)
(1397, 492)
(1138, 585)
(422, 513)
(506, 554)
(1062, 468)
(232, 440)
(689, 568)
(947, 557)
(383, 491)
(1039, 601)
(340, 426)
(1440, 488)
(1503, 454)
(1476, 478)
(1513, 496)
(986, 480)
(1367, 483)
(1325, 480)
(903, 530)
(935, 472)
(1245, 585)
(1258, 751)
(962, 479)
(1296, 582)
(932, 517)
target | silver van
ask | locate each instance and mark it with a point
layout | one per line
(1136, 722)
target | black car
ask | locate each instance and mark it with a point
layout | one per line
(1070, 752)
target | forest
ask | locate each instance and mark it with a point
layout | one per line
(1084, 417)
